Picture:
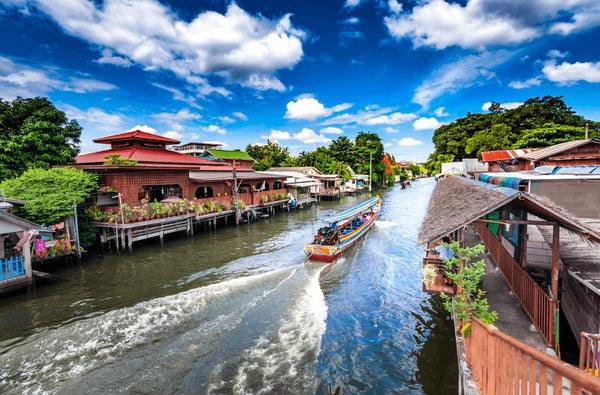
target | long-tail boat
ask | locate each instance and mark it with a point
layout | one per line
(343, 230)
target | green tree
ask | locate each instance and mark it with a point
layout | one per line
(550, 134)
(34, 133)
(269, 155)
(496, 137)
(342, 150)
(50, 194)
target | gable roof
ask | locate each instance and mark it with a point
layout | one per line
(228, 154)
(545, 152)
(18, 221)
(135, 135)
(457, 202)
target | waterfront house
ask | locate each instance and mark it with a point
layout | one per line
(303, 188)
(331, 183)
(571, 153)
(468, 167)
(357, 182)
(195, 149)
(237, 158)
(502, 218)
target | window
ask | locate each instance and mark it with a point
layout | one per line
(244, 188)
(262, 186)
(160, 192)
(204, 192)
(277, 185)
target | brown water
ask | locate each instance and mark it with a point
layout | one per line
(238, 311)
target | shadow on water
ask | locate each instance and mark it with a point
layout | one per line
(238, 311)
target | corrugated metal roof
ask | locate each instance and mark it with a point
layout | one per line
(500, 155)
(545, 152)
(146, 157)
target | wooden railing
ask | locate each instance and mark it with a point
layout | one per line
(589, 353)
(539, 306)
(501, 364)
(12, 267)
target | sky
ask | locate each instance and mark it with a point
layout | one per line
(300, 73)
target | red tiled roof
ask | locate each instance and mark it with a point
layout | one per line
(493, 156)
(135, 135)
(148, 157)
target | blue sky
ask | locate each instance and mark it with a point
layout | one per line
(300, 72)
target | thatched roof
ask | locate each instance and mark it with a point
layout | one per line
(457, 202)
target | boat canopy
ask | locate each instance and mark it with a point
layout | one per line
(352, 211)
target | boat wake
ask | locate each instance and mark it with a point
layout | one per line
(260, 331)
(386, 224)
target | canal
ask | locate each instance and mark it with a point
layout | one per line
(238, 311)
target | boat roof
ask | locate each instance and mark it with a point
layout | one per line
(352, 211)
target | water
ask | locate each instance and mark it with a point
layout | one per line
(238, 311)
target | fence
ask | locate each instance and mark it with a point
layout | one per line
(501, 364)
(589, 353)
(12, 267)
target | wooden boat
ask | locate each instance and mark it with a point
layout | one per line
(343, 230)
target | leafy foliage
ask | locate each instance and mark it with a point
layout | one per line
(466, 274)
(35, 134)
(49, 195)
(118, 160)
(269, 155)
(538, 122)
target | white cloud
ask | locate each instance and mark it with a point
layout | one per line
(331, 130)
(277, 135)
(173, 134)
(461, 74)
(534, 81)
(390, 129)
(351, 21)
(226, 119)
(351, 3)
(371, 115)
(240, 115)
(409, 142)
(143, 128)
(556, 54)
(94, 117)
(178, 95)
(569, 73)
(308, 136)
(17, 79)
(394, 6)
(109, 58)
(441, 24)
(174, 120)
(440, 112)
(236, 45)
(215, 129)
(507, 106)
(309, 109)
(425, 123)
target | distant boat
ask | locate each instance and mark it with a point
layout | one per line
(343, 230)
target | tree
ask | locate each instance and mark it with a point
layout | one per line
(50, 195)
(35, 134)
(269, 155)
(342, 150)
(550, 134)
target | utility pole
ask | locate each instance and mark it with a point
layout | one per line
(370, 169)
(587, 130)
(234, 196)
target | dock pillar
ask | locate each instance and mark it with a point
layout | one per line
(129, 240)
(555, 260)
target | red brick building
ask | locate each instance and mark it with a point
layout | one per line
(139, 166)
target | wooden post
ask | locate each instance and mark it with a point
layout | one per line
(27, 258)
(524, 242)
(130, 240)
(555, 260)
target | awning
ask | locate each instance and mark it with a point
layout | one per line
(303, 184)
(205, 176)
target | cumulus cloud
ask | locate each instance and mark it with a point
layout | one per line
(173, 134)
(109, 58)
(440, 112)
(425, 123)
(277, 135)
(460, 74)
(215, 129)
(441, 24)
(331, 130)
(243, 48)
(557, 54)
(351, 3)
(175, 120)
(94, 117)
(567, 73)
(306, 136)
(390, 129)
(240, 115)
(371, 115)
(17, 79)
(178, 95)
(507, 106)
(409, 142)
(534, 81)
(394, 6)
(309, 109)
(142, 128)
(351, 21)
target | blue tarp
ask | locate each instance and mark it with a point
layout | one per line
(508, 182)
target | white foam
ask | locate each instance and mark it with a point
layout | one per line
(386, 224)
